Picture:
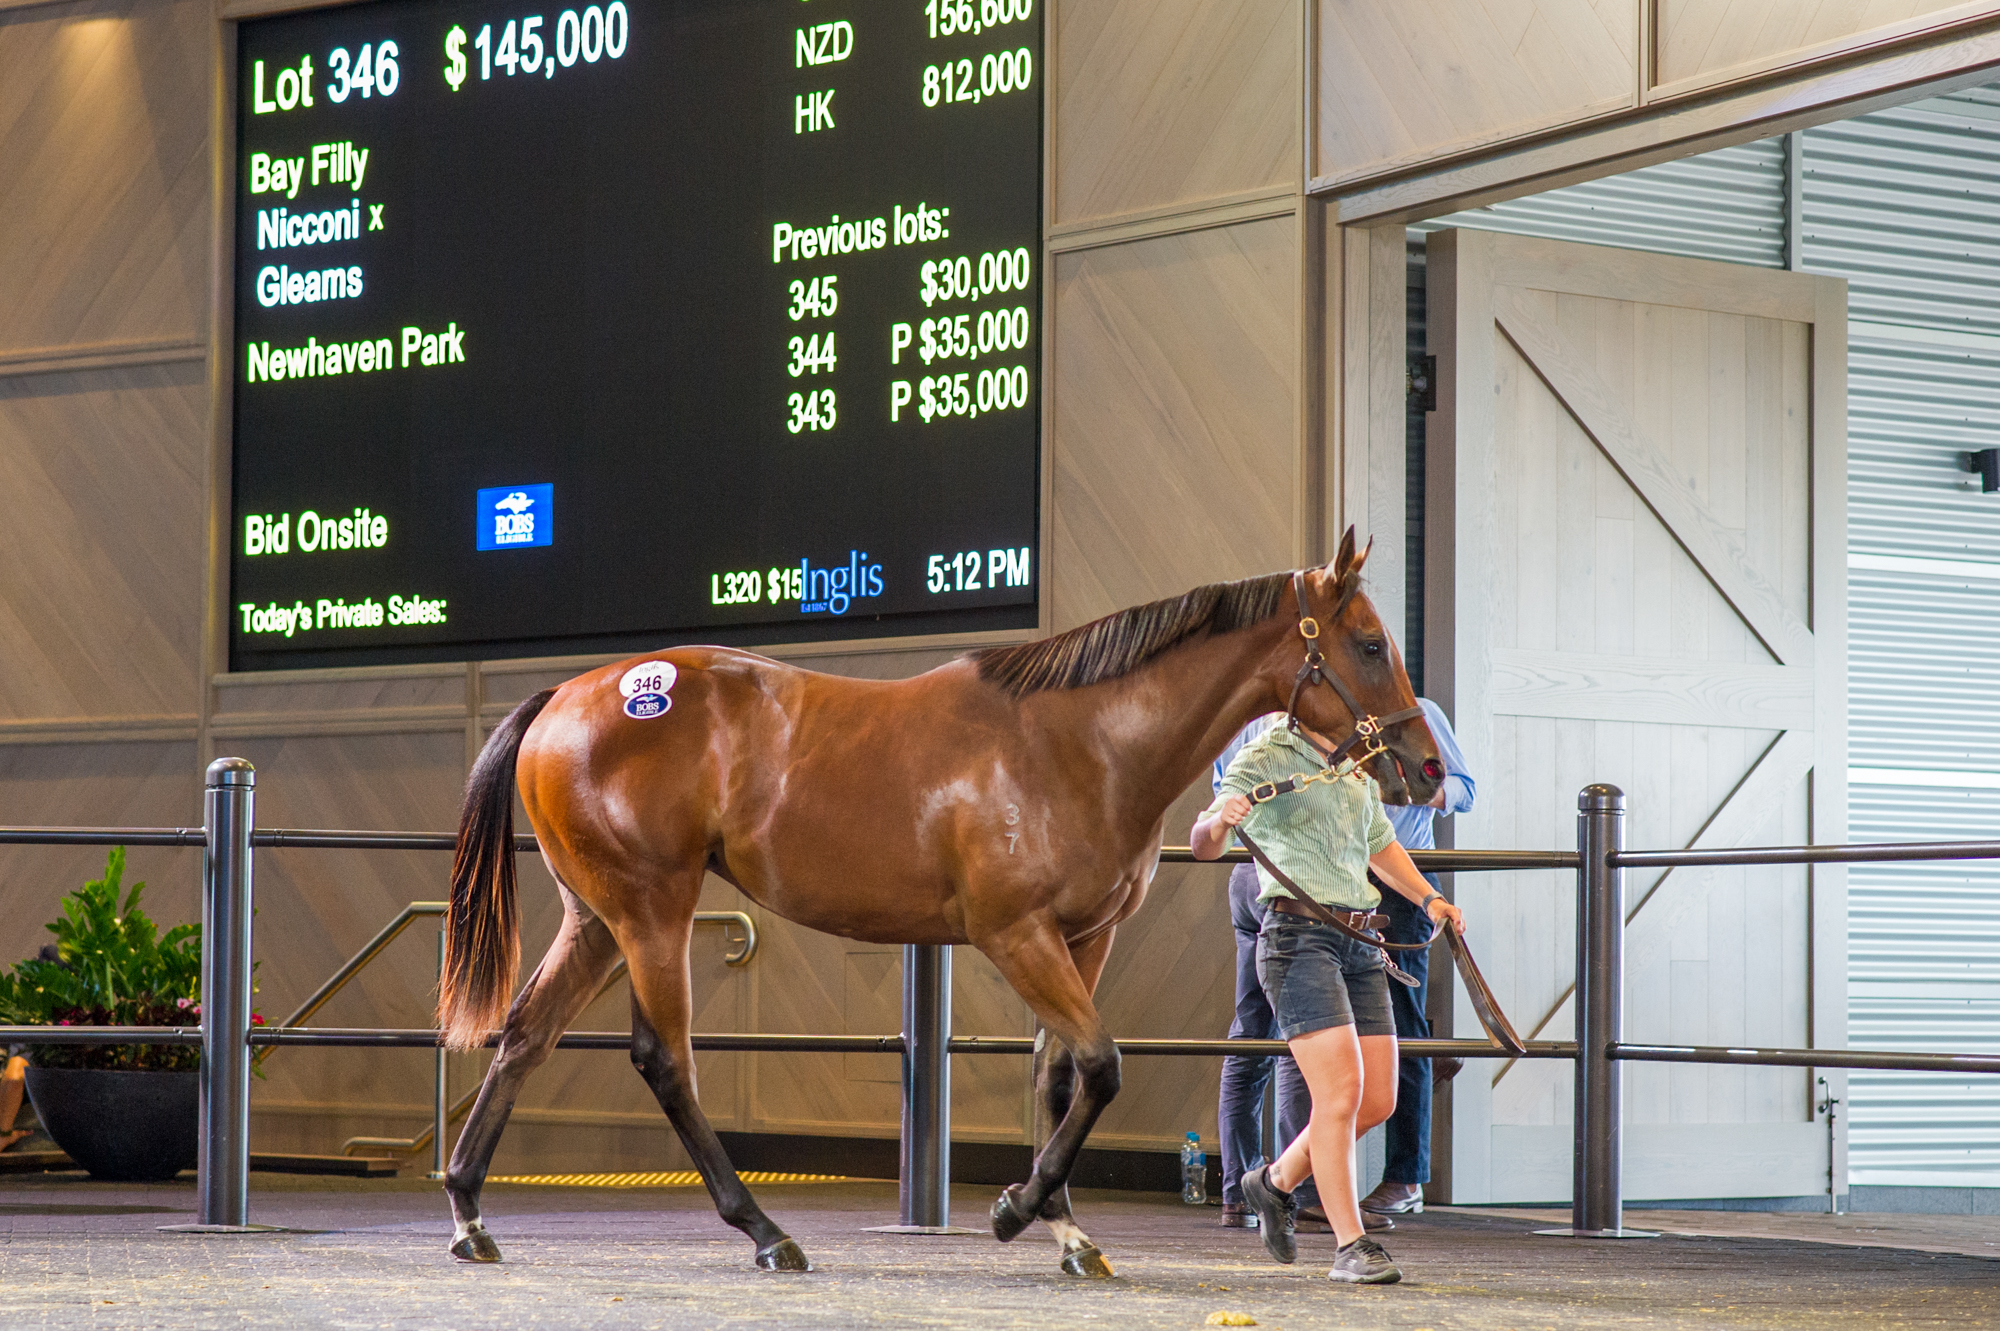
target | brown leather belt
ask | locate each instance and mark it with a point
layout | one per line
(1498, 1029)
(1354, 919)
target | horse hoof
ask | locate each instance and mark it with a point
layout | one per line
(1010, 1218)
(478, 1246)
(784, 1255)
(1087, 1261)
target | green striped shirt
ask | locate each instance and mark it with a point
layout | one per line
(1320, 836)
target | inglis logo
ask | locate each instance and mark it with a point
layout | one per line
(511, 516)
(833, 589)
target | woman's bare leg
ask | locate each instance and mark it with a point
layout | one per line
(1353, 1085)
(1378, 1083)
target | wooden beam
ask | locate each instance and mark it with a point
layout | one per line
(1579, 686)
(100, 729)
(1621, 139)
(434, 718)
(1174, 219)
(102, 355)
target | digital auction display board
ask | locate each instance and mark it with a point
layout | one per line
(594, 328)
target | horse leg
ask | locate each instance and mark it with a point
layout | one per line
(665, 1058)
(1040, 967)
(565, 982)
(1056, 1085)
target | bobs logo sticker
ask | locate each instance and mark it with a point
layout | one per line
(645, 689)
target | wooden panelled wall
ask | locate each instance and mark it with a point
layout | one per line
(1212, 339)
(1178, 455)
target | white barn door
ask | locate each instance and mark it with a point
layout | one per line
(1636, 574)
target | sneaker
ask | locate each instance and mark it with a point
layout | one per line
(1277, 1212)
(1237, 1216)
(1363, 1262)
(1394, 1199)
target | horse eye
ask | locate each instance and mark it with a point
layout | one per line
(1371, 648)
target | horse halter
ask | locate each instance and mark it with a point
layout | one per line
(1367, 737)
(1368, 729)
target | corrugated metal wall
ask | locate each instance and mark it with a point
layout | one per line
(1905, 204)
(1727, 205)
(1923, 973)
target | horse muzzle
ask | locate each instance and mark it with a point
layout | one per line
(1415, 780)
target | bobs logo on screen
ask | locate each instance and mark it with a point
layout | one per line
(512, 516)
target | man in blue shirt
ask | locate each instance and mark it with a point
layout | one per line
(1407, 1150)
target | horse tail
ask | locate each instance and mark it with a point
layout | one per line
(482, 930)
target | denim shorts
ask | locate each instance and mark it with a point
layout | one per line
(1316, 978)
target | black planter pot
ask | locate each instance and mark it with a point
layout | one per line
(132, 1127)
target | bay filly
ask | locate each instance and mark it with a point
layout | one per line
(1013, 799)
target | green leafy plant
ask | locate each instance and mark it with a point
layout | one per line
(112, 967)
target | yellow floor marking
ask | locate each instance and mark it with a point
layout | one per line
(680, 1178)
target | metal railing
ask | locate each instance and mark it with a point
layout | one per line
(443, 1114)
(1597, 1208)
(926, 1043)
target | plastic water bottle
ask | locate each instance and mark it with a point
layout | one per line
(1194, 1171)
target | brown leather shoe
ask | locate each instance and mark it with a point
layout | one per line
(1393, 1199)
(1238, 1216)
(1312, 1220)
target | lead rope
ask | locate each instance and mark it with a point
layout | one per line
(1325, 916)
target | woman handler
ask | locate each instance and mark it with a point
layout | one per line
(1330, 994)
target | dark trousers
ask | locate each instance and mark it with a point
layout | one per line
(1407, 1150)
(1241, 1112)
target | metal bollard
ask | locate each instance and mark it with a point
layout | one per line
(229, 812)
(925, 1194)
(924, 1190)
(1597, 1207)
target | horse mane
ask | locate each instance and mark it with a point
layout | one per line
(1118, 644)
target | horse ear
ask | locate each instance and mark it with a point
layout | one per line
(1345, 558)
(1361, 558)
